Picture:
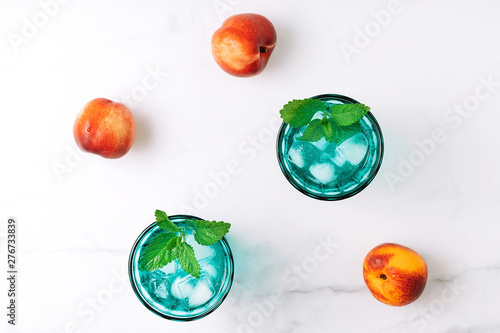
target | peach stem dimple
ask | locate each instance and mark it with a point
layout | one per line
(383, 276)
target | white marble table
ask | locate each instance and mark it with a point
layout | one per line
(429, 70)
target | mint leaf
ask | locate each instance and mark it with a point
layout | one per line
(341, 133)
(328, 129)
(298, 113)
(318, 129)
(348, 114)
(163, 222)
(187, 259)
(335, 126)
(159, 252)
(209, 232)
(171, 245)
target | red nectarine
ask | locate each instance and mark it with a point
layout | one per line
(105, 128)
(244, 43)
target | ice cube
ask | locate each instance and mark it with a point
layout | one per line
(201, 251)
(210, 270)
(329, 153)
(321, 144)
(159, 288)
(323, 172)
(339, 161)
(182, 287)
(353, 149)
(201, 294)
(295, 154)
(303, 153)
(171, 268)
(157, 274)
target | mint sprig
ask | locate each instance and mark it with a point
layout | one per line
(171, 245)
(187, 259)
(348, 114)
(209, 232)
(159, 252)
(338, 122)
(299, 112)
(163, 222)
(317, 129)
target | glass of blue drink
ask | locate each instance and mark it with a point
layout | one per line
(327, 170)
(172, 293)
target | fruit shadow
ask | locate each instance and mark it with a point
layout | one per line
(284, 47)
(439, 280)
(142, 131)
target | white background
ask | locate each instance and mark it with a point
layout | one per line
(79, 214)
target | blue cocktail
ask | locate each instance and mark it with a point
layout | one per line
(327, 170)
(172, 293)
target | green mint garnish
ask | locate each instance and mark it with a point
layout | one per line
(164, 223)
(339, 121)
(319, 128)
(159, 252)
(209, 232)
(298, 113)
(348, 114)
(340, 133)
(171, 245)
(187, 259)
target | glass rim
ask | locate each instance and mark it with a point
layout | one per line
(139, 295)
(281, 161)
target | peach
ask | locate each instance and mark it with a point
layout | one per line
(395, 274)
(105, 128)
(244, 43)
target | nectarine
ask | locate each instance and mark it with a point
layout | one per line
(105, 128)
(244, 43)
(394, 274)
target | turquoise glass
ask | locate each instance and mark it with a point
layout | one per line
(330, 171)
(172, 293)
